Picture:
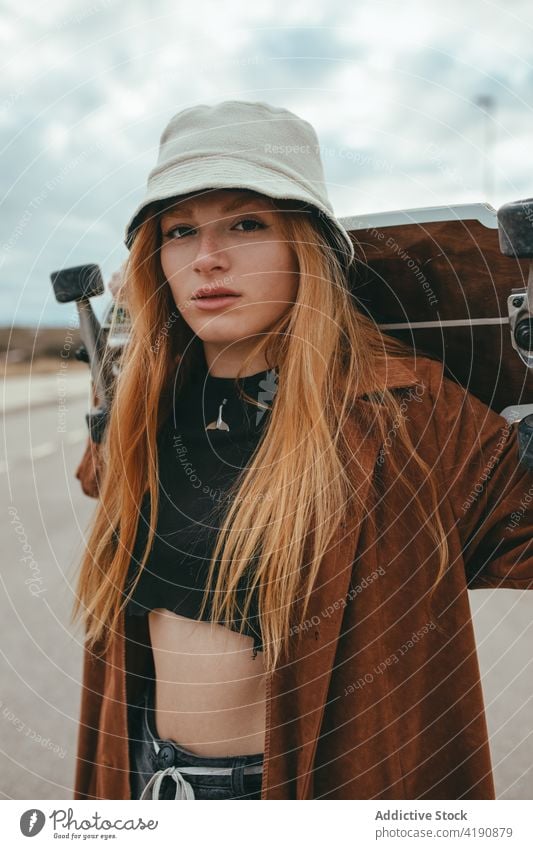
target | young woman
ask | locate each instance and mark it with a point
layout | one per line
(292, 506)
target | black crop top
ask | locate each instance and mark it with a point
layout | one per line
(196, 467)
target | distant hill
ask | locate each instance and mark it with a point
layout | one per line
(40, 349)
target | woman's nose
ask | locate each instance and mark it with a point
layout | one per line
(211, 253)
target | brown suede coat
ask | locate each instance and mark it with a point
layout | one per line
(380, 697)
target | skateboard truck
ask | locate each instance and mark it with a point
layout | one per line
(515, 233)
(79, 284)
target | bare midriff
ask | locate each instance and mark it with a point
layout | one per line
(210, 691)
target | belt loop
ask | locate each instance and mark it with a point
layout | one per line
(237, 776)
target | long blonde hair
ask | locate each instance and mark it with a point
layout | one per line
(325, 349)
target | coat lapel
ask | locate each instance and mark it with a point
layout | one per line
(297, 704)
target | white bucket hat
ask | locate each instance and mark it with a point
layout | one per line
(243, 145)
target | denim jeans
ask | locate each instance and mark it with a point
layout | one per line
(160, 769)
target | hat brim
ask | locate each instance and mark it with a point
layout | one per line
(188, 176)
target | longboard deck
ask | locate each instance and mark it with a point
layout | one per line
(440, 264)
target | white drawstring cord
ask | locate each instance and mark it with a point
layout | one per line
(184, 790)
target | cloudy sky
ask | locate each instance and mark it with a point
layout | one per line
(391, 88)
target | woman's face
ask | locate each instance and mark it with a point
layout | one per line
(228, 238)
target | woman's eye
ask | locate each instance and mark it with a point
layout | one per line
(170, 234)
(250, 221)
(173, 233)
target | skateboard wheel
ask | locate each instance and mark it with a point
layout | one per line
(82, 354)
(523, 334)
(515, 228)
(97, 423)
(80, 281)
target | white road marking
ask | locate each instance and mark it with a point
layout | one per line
(46, 448)
(77, 435)
(42, 450)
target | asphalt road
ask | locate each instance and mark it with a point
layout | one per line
(45, 515)
(45, 518)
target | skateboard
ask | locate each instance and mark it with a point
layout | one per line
(452, 282)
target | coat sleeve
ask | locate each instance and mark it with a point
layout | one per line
(90, 468)
(88, 729)
(490, 492)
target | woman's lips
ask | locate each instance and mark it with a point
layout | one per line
(215, 303)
